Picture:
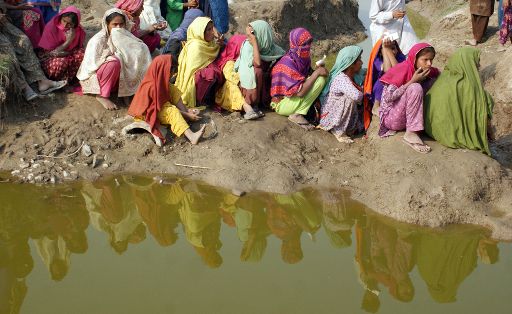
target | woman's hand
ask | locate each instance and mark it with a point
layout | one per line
(321, 71)
(398, 14)
(192, 114)
(387, 43)
(249, 31)
(420, 75)
(70, 34)
(191, 4)
(159, 26)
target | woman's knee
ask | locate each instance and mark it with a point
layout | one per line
(415, 88)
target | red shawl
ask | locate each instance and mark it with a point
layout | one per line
(54, 34)
(153, 93)
(403, 72)
(232, 50)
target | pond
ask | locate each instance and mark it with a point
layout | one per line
(134, 245)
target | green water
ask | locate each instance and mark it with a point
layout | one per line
(129, 245)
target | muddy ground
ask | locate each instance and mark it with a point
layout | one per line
(43, 143)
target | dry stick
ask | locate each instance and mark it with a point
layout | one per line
(195, 167)
(66, 156)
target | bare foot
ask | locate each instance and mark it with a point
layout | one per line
(471, 42)
(194, 137)
(301, 121)
(343, 138)
(106, 103)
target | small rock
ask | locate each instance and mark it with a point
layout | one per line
(22, 159)
(30, 177)
(15, 172)
(89, 18)
(93, 164)
(65, 174)
(24, 165)
(52, 179)
(112, 133)
(35, 145)
(237, 192)
(38, 178)
(35, 166)
(104, 165)
(86, 150)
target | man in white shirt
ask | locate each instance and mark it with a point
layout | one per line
(390, 16)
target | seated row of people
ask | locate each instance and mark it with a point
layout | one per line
(250, 72)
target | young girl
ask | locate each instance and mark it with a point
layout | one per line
(402, 98)
(339, 113)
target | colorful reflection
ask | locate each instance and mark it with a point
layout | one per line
(130, 210)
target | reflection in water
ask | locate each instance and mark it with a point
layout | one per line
(126, 208)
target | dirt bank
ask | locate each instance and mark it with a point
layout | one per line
(443, 187)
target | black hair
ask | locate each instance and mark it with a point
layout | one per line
(424, 51)
(114, 15)
(72, 16)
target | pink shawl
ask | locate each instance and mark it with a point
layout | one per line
(232, 50)
(130, 6)
(54, 34)
(403, 72)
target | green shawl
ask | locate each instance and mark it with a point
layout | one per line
(269, 51)
(457, 107)
(346, 57)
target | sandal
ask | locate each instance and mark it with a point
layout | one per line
(251, 115)
(420, 148)
(30, 94)
(57, 85)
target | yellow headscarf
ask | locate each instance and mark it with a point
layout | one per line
(197, 54)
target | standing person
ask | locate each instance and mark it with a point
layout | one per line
(292, 90)
(480, 10)
(390, 16)
(114, 60)
(500, 12)
(402, 98)
(339, 114)
(133, 9)
(28, 19)
(218, 11)
(49, 8)
(179, 36)
(175, 9)
(63, 45)
(506, 24)
(27, 69)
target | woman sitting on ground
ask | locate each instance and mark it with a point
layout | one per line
(292, 91)
(253, 65)
(457, 108)
(385, 55)
(63, 45)
(339, 113)
(114, 60)
(27, 69)
(133, 9)
(402, 97)
(28, 19)
(179, 35)
(159, 103)
(198, 77)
